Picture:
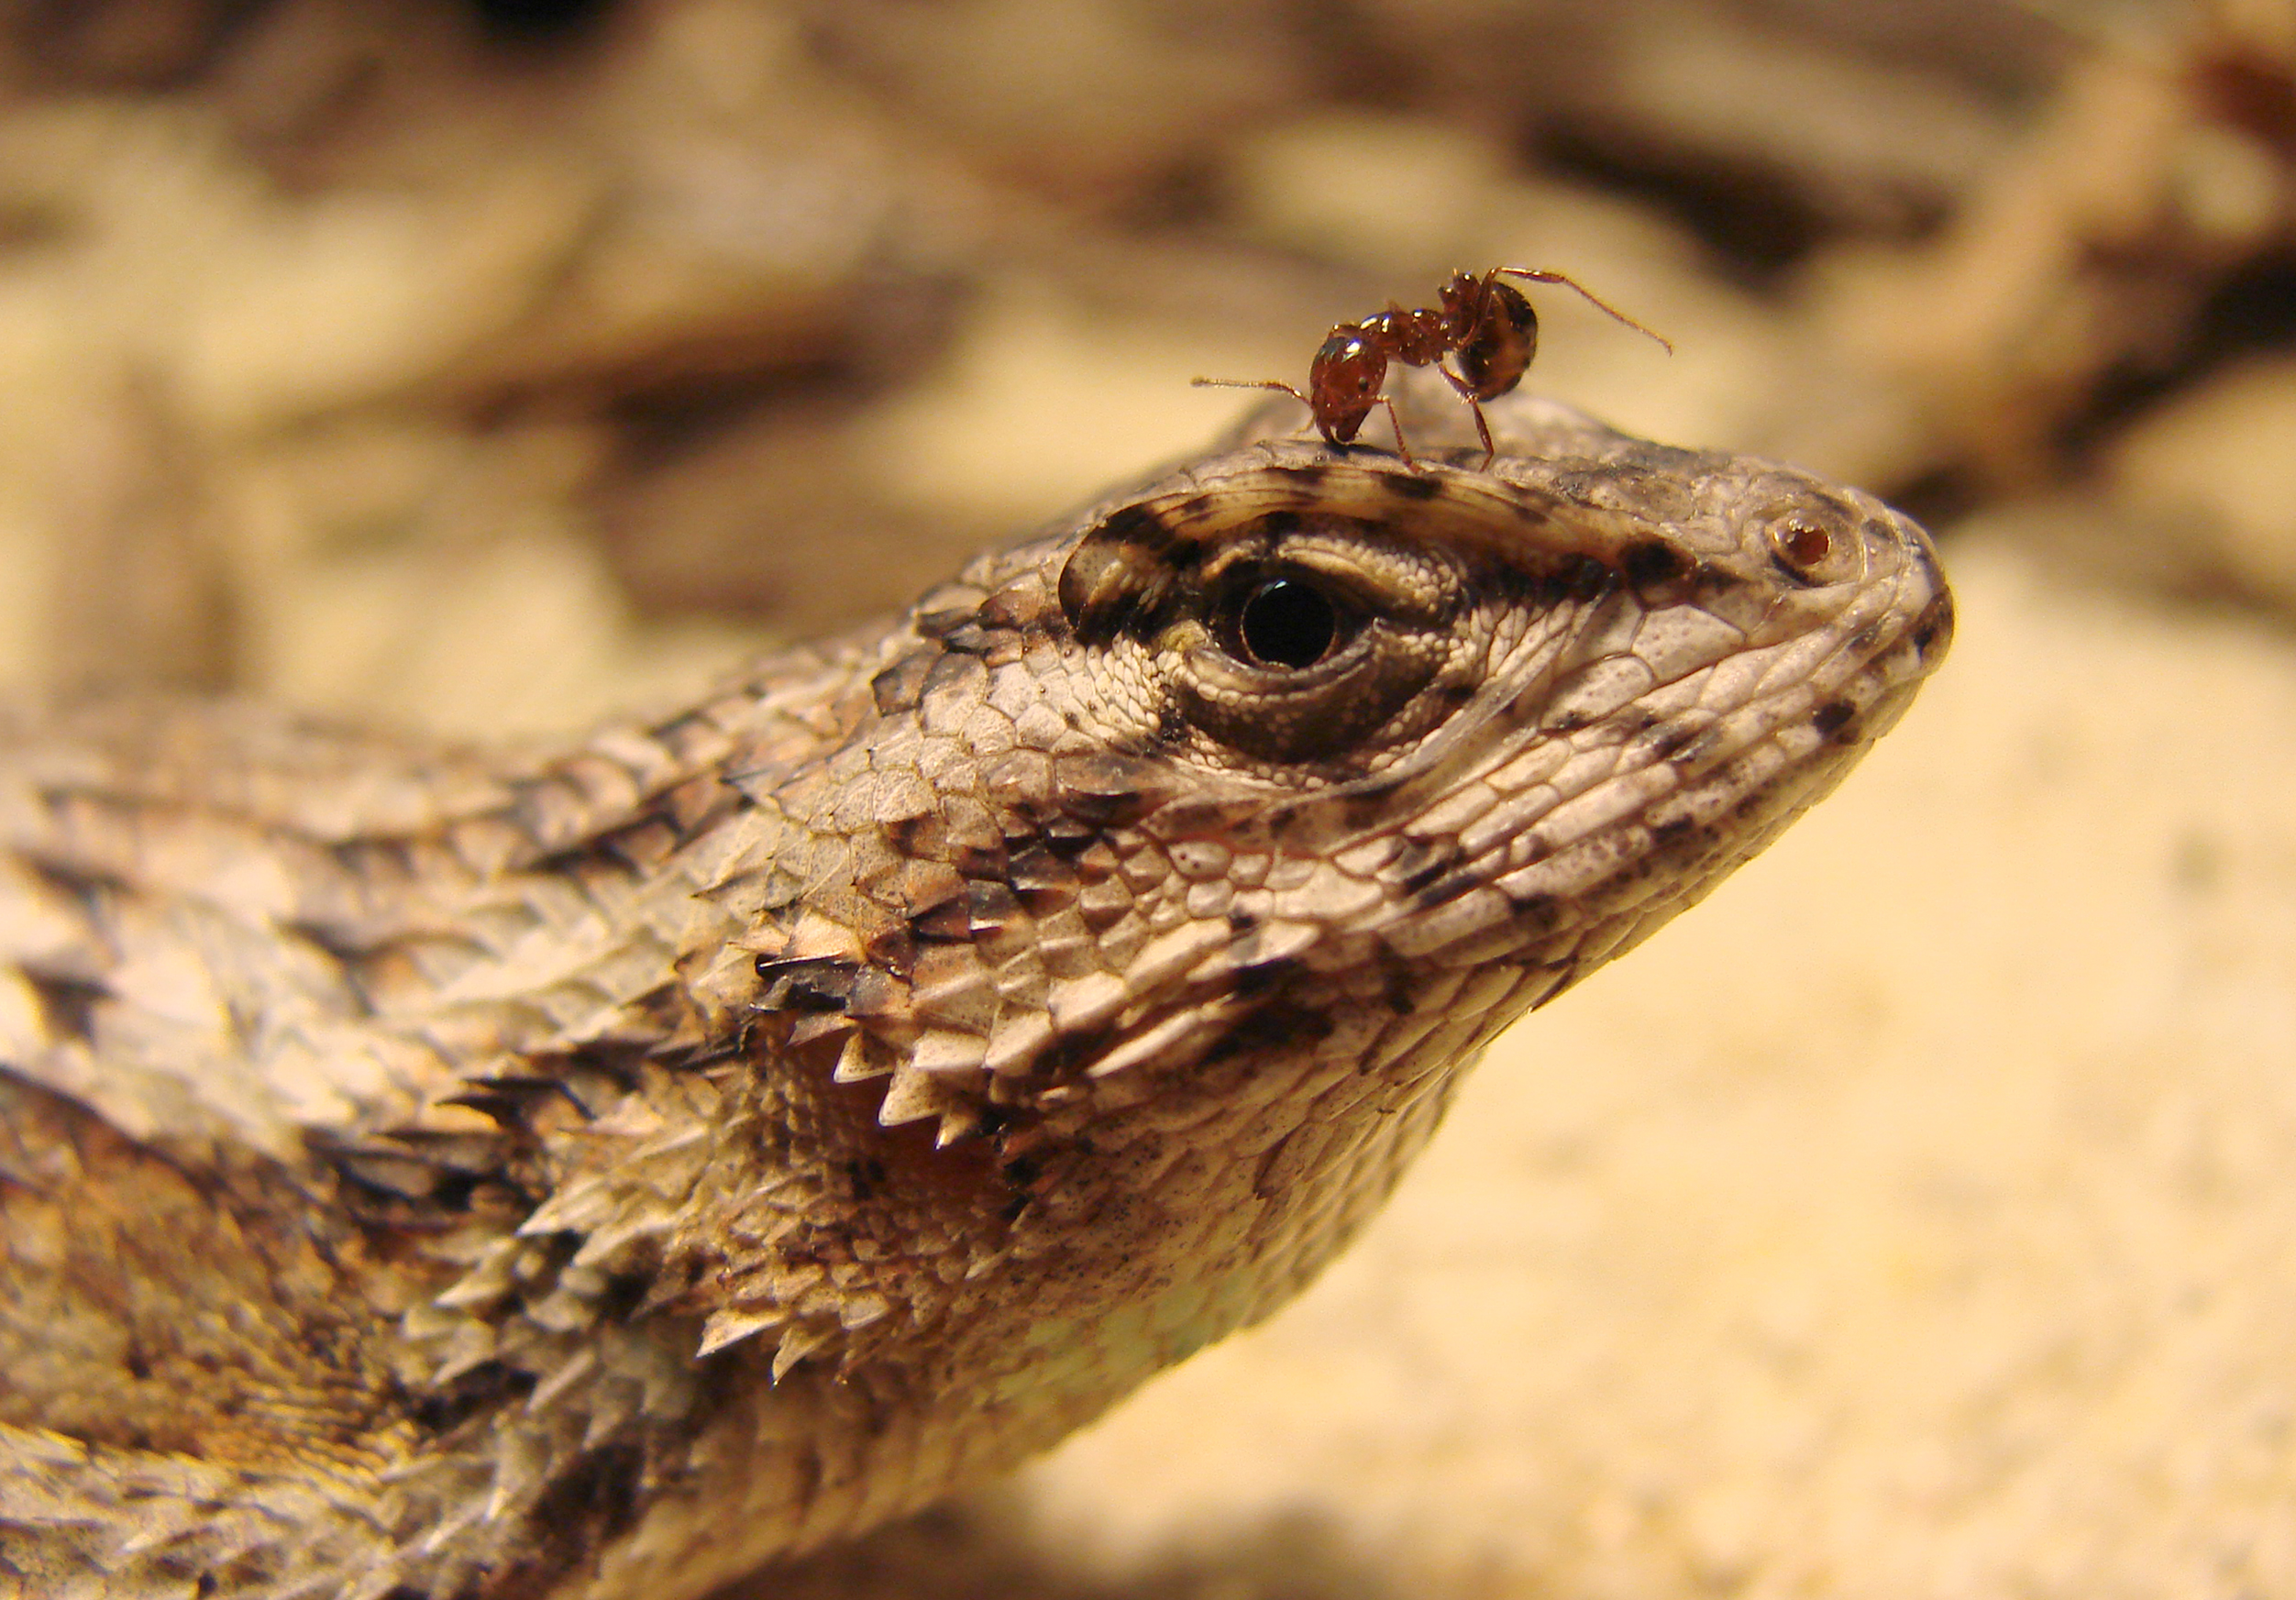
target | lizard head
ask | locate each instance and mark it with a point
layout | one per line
(1294, 714)
(1195, 851)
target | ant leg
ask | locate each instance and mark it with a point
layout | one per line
(1542, 275)
(1465, 390)
(1396, 423)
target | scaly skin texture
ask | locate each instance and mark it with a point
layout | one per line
(425, 1174)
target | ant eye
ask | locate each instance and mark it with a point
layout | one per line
(1285, 622)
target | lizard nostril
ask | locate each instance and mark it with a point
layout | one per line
(1805, 544)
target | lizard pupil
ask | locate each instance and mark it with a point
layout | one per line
(1285, 622)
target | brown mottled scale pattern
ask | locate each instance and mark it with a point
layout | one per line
(593, 1173)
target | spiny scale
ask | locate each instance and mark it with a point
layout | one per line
(594, 1176)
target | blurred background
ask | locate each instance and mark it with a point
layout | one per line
(1919, 1219)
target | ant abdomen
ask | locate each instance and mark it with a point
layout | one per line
(1496, 349)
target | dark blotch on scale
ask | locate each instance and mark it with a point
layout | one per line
(901, 685)
(1277, 1024)
(1444, 890)
(1135, 526)
(1576, 578)
(1413, 488)
(1107, 788)
(1934, 630)
(1672, 742)
(946, 923)
(1652, 563)
(67, 1005)
(1265, 978)
(806, 984)
(1422, 861)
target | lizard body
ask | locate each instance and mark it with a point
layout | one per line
(431, 1174)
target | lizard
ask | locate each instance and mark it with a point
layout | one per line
(597, 1172)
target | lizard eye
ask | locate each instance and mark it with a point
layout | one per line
(1303, 653)
(1284, 622)
(1287, 639)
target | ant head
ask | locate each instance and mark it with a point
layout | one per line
(1343, 383)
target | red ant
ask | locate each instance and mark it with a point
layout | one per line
(1488, 324)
